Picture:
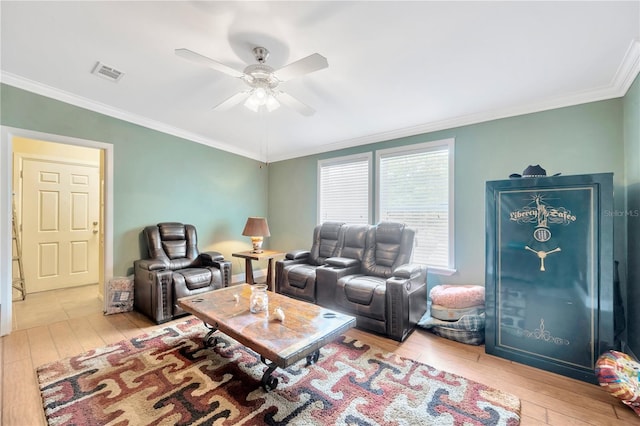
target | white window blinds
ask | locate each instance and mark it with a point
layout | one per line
(415, 187)
(343, 188)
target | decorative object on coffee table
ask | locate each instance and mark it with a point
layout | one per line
(259, 300)
(169, 377)
(278, 313)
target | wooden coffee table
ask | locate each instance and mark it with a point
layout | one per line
(305, 329)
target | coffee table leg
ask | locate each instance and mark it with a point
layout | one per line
(268, 382)
(208, 340)
(312, 358)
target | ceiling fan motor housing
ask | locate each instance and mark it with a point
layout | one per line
(261, 54)
(261, 75)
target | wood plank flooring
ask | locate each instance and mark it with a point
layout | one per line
(546, 398)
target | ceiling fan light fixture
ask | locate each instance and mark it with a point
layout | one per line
(261, 97)
(272, 103)
(252, 103)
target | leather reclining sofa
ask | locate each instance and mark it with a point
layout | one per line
(361, 270)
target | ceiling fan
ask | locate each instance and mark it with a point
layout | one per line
(263, 81)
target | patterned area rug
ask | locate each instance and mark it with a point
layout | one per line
(168, 377)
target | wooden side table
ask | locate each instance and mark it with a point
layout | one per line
(248, 256)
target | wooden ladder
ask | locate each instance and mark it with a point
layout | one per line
(16, 248)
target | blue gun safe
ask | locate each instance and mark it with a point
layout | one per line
(549, 271)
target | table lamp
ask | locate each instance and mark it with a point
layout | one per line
(256, 228)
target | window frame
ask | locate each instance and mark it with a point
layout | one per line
(419, 148)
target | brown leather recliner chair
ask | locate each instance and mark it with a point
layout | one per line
(296, 273)
(175, 269)
(384, 291)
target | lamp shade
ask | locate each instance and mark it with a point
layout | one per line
(256, 227)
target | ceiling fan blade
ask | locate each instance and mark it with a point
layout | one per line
(196, 57)
(302, 66)
(295, 104)
(232, 101)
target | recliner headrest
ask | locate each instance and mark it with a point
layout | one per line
(171, 231)
(389, 232)
(330, 230)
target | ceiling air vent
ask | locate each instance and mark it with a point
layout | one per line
(107, 72)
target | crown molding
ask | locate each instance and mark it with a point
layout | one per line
(79, 101)
(623, 79)
(628, 69)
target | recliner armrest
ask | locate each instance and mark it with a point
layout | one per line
(406, 300)
(297, 254)
(209, 257)
(216, 259)
(153, 291)
(408, 270)
(150, 264)
(342, 262)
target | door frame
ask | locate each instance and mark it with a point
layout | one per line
(6, 178)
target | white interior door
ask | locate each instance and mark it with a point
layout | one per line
(60, 224)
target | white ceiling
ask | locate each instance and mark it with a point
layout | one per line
(395, 68)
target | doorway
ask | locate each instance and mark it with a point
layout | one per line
(61, 149)
(57, 198)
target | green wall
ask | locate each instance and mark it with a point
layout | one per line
(575, 140)
(632, 157)
(157, 177)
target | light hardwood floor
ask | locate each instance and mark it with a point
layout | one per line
(54, 325)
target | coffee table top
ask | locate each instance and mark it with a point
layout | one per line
(305, 329)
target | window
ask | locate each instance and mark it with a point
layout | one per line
(344, 189)
(415, 186)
